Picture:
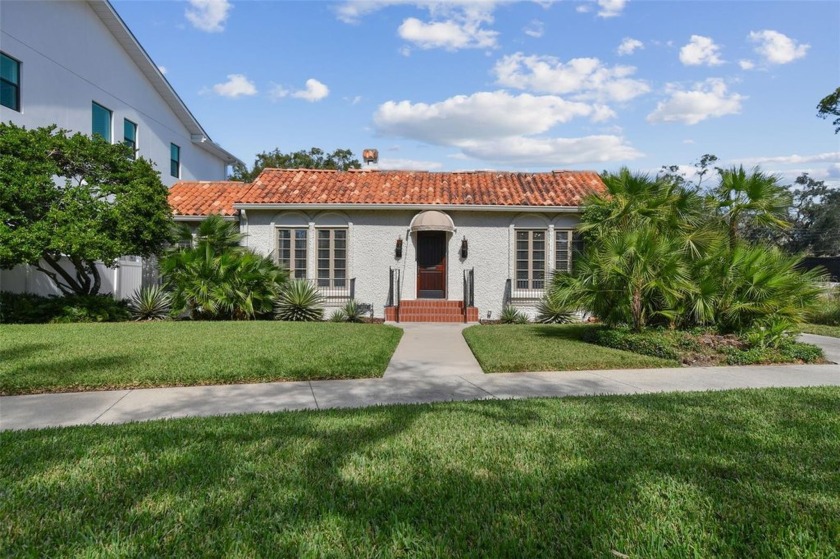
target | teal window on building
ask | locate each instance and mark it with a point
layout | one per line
(130, 136)
(101, 123)
(9, 82)
(175, 161)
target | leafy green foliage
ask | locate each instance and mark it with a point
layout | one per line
(353, 312)
(552, 310)
(216, 279)
(654, 343)
(73, 357)
(300, 301)
(25, 308)
(816, 218)
(829, 106)
(150, 303)
(512, 315)
(315, 158)
(657, 254)
(79, 198)
(338, 315)
(826, 311)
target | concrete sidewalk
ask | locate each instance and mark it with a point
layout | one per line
(413, 377)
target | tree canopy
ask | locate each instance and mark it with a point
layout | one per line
(315, 158)
(76, 197)
(830, 106)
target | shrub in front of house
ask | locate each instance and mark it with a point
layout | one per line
(299, 301)
(512, 315)
(150, 303)
(26, 308)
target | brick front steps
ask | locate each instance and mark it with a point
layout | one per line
(431, 310)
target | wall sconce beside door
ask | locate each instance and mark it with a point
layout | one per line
(464, 248)
(398, 249)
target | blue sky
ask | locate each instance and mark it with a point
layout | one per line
(508, 85)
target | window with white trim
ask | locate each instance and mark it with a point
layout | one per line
(332, 257)
(291, 251)
(9, 82)
(563, 250)
(530, 259)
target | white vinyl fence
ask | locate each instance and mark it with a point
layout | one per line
(130, 273)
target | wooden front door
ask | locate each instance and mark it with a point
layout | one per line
(431, 265)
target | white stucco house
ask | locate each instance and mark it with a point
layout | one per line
(75, 64)
(417, 246)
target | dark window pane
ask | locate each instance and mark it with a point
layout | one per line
(101, 121)
(175, 161)
(9, 95)
(9, 69)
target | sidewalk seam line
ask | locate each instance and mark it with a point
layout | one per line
(480, 388)
(130, 390)
(639, 388)
(312, 390)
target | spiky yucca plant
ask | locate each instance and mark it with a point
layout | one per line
(338, 315)
(150, 303)
(299, 301)
(552, 310)
(512, 315)
(353, 311)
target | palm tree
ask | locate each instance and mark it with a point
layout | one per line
(755, 196)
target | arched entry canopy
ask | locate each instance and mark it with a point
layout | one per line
(432, 220)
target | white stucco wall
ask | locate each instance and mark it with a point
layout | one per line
(372, 239)
(70, 59)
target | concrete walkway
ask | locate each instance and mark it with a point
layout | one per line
(414, 376)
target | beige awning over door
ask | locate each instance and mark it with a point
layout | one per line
(432, 220)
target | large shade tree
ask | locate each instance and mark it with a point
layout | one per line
(72, 199)
(315, 158)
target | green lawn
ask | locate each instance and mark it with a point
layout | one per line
(821, 330)
(753, 473)
(515, 348)
(65, 357)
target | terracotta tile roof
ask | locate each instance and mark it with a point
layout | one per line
(205, 198)
(305, 186)
(492, 188)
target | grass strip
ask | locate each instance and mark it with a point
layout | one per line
(749, 473)
(67, 357)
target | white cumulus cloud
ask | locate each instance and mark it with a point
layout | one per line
(208, 15)
(777, 48)
(314, 91)
(707, 99)
(629, 46)
(586, 78)
(503, 128)
(610, 8)
(237, 85)
(409, 164)
(552, 152)
(746, 64)
(449, 34)
(827, 157)
(535, 29)
(700, 51)
(493, 114)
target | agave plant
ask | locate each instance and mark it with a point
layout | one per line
(338, 316)
(150, 303)
(553, 310)
(299, 301)
(353, 312)
(512, 315)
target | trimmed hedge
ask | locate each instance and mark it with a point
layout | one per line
(26, 308)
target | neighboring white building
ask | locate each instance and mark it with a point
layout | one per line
(418, 246)
(75, 64)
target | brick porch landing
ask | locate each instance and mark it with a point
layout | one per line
(431, 310)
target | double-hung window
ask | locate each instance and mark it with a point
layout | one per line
(563, 250)
(332, 257)
(9, 82)
(130, 136)
(291, 251)
(101, 121)
(175, 161)
(530, 258)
